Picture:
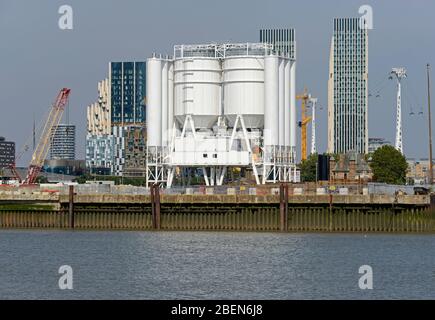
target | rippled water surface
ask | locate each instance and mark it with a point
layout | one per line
(206, 265)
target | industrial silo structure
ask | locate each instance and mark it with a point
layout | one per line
(220, 106)
(154, 103)
(157, 117)
(243, 89)
(197, 85)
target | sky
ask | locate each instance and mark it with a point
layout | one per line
(37, 58)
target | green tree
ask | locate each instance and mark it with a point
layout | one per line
(308, 168)
(389, 165)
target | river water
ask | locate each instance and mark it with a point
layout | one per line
(208, 265)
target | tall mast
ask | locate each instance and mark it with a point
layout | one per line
(430, 126)
(400, 73)
(313, 126)
(34, 132)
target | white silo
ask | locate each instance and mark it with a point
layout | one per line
(164, 103)
(293, 106)
(271, 100)
(179, 92)
(170, 99)
(281, 95)
(287, 118)
(243, 81)
(197, 90)
(154, 102)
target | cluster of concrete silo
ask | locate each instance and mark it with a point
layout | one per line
(217, 106)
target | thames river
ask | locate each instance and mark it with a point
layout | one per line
(209, 265)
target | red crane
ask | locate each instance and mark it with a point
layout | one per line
(41, 149)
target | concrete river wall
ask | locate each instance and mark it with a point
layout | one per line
(278, 212)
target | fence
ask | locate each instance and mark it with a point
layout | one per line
(294, 189)
(383, 188)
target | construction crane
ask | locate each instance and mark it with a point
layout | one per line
(41, 150)
(305, 98)
(43, 145)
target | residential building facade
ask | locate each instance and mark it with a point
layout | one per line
(283, 40)
(348, 88)
(350, 167)
(116, 142)
(100, 154)
(128, 92)
(99, 113)
(135, 151)
(129, 151)
(7, 153)
(376, 143)
(418, 171)
(99, 138)
(63, 142)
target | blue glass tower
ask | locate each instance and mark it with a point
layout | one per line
(128, 92)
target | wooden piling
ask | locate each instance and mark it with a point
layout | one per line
(71, 207)
(281, 208)
(153, 210)
(155, 206)
(286, 207)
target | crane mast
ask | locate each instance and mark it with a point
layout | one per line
(305, 99)
(43, 145)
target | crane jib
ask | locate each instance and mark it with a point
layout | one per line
(43, 145)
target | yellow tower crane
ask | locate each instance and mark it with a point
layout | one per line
(305, 98)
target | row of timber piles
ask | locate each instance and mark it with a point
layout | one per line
(229, 219)
(284, 216)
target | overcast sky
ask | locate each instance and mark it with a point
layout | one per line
(37, 58)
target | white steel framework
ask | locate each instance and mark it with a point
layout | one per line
(235, 139)
(313, 102)
(399, 73)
